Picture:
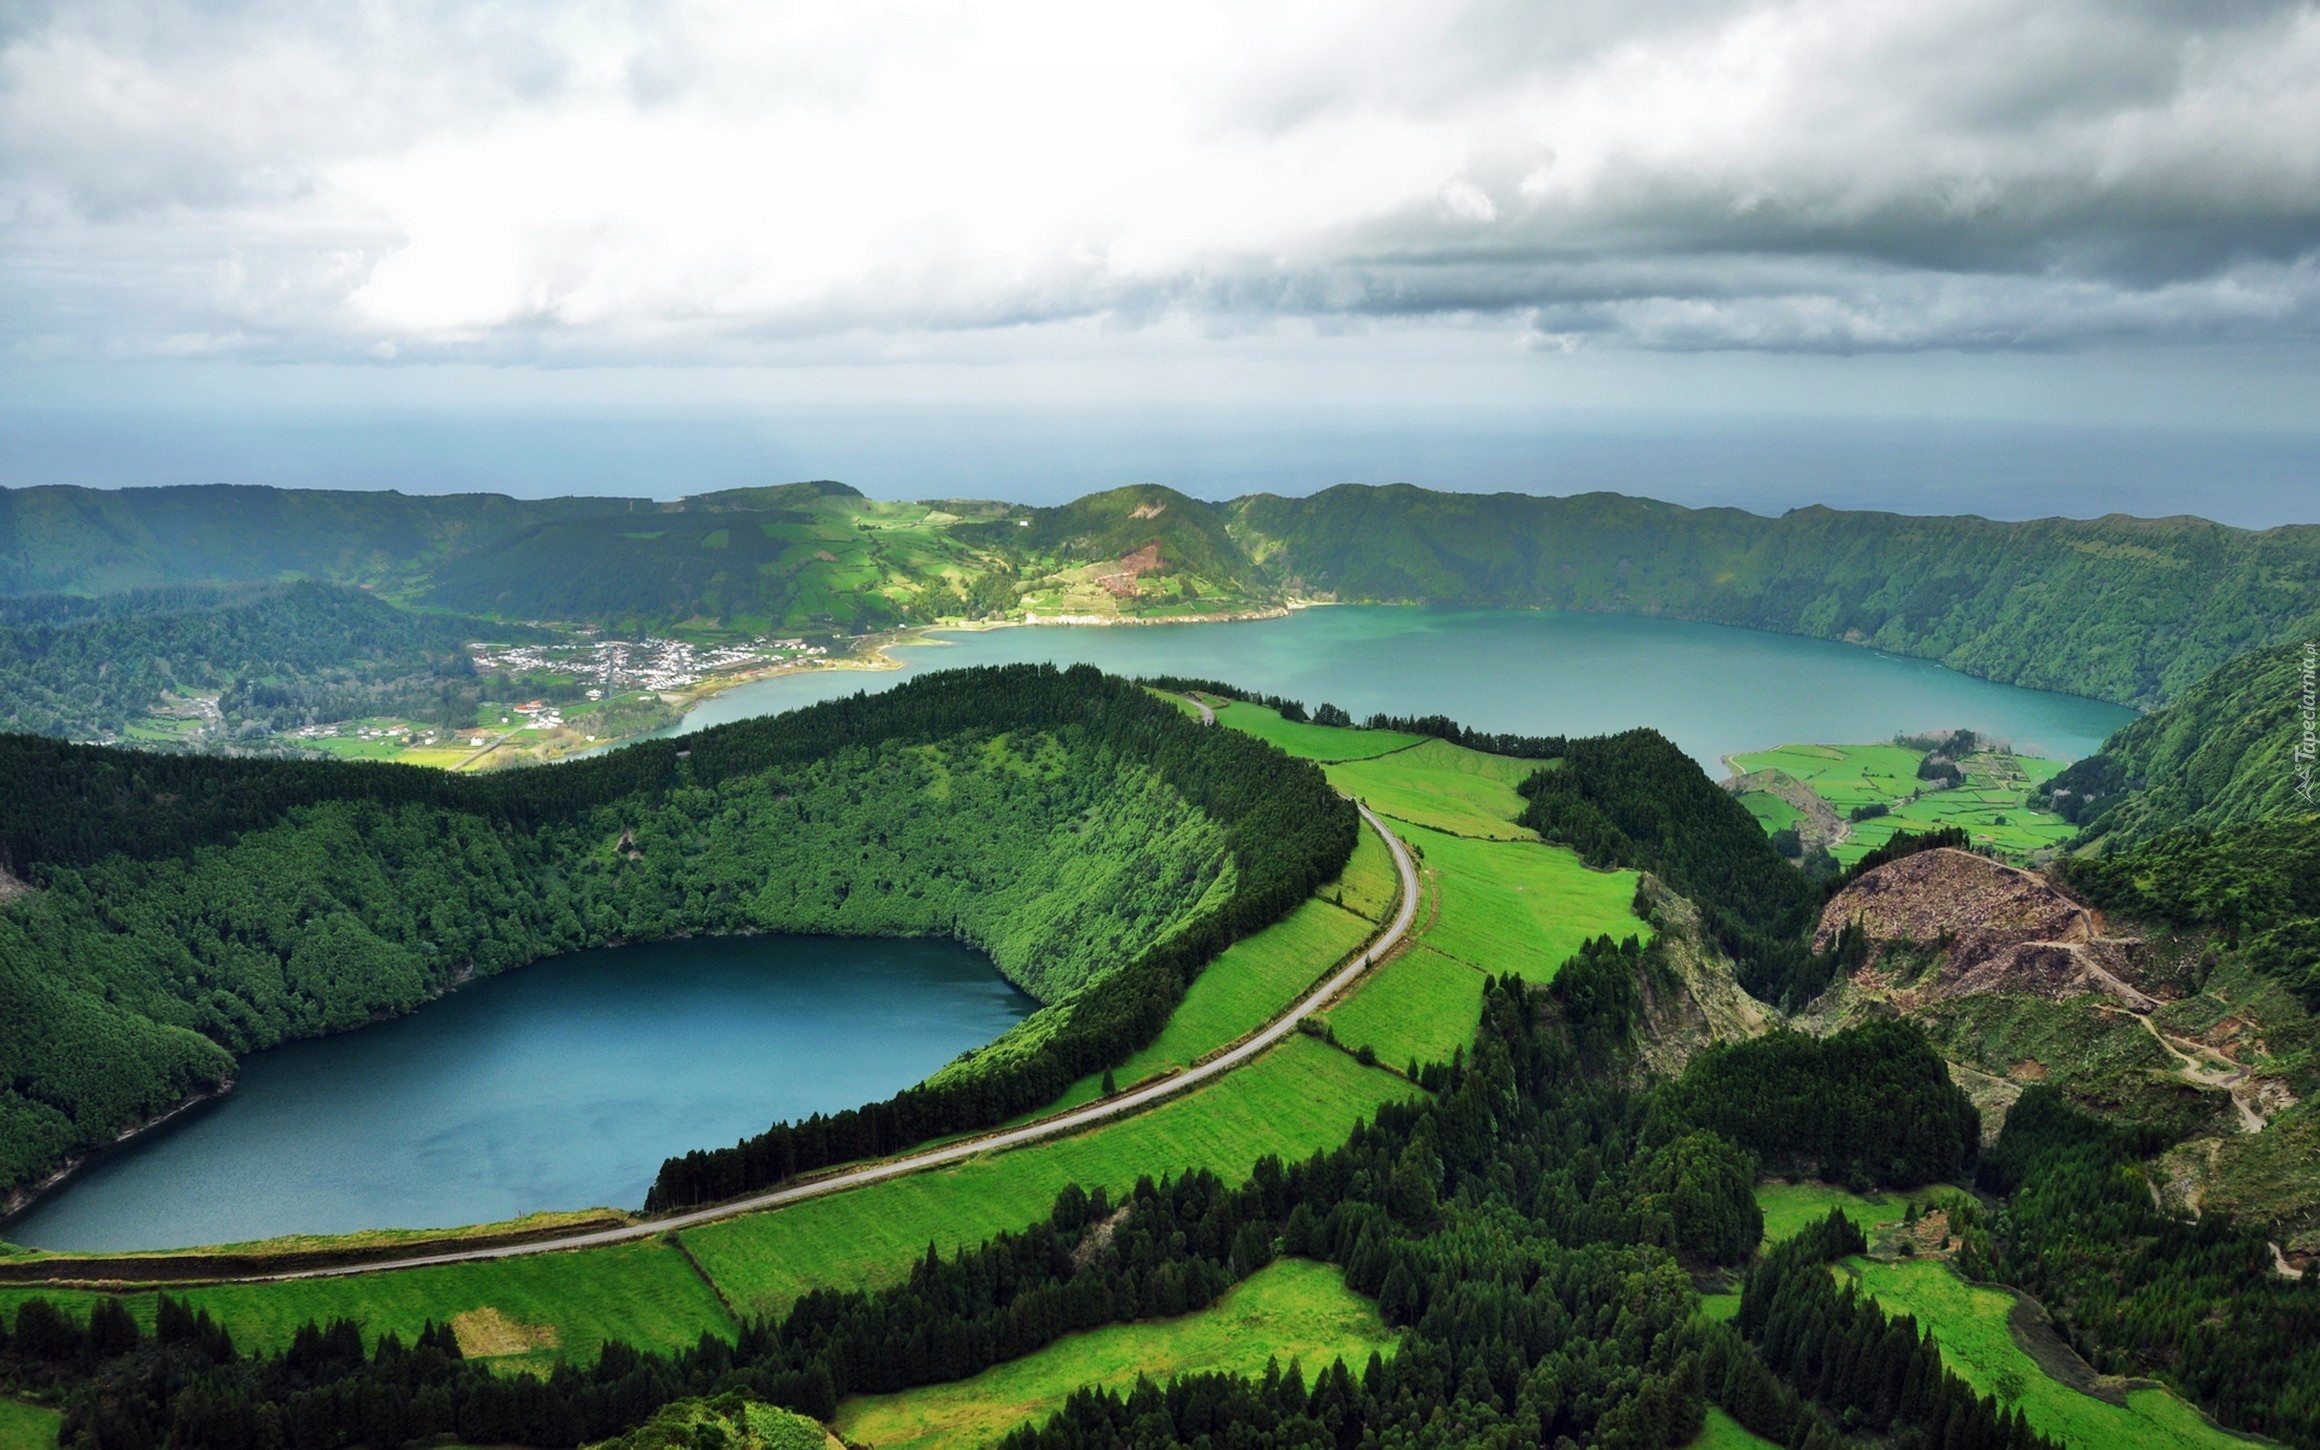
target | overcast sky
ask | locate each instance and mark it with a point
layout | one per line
(2103, 210)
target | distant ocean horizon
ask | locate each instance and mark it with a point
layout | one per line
(2252, 479)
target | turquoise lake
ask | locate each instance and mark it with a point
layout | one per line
(560, 1085)
(1712, 689)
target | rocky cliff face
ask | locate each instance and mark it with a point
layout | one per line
(1694, 1000)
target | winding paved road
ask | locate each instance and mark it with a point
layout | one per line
(1237, 1055)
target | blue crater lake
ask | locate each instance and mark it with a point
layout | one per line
(1712, 689)
(560, 1085)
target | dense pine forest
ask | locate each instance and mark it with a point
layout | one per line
(276, 657)
(1100, 846)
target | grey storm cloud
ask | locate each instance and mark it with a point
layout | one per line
(671, 181)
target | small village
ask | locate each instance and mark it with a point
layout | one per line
(652, 663)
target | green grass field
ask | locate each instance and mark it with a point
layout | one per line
(1720, 1307)
(1970, 1321)
(27, 1427)
(1771, 812)
(1292, 1310)
(1792, 1207)
(1421, 1006)
(1843, 775)
(1444, 786)
(1519, 906)
(1369, 883)
(1300, 1097)
(568, 1304)
(1990, 805)
(1722, 1432)
(1313, 742)
(1240, 992)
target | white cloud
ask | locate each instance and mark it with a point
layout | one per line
(625, 182)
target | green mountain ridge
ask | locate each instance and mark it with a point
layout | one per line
(2131, 610)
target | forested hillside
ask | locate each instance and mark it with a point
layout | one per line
(275, 656)
(1097, 843)
(803, 557)
(1143, 550)
(1634, 799)
(2132, 610)
(2222, 753)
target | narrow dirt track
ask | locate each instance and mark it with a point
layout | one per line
(1238, 1055)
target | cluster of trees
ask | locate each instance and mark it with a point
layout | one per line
(1517, 1226)
(1898, 845)
(1098, 844)
(1871, 1105)
(2137, 1290)
(2083, 789)
(1635, 800)
(278, 656)
(1939, 773)
(1872, 1373)
(1867, 1106)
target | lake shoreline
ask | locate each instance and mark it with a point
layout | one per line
(872, 653)
(23, 1198)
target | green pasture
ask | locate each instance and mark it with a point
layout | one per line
(1446, 787)
(1301, 1097)
(1421, 1006)
(27, 1427)
(1292, 1310)
(1790, 1208)
(1239, 992)
(1990, 805)
(1313, 742)
(1977, 1342)
(1369, 886)
(1771, 812)
(1843, 775)
(1519, 906)
(1720, 1307)
(1722, 1432)
(567, 1304)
